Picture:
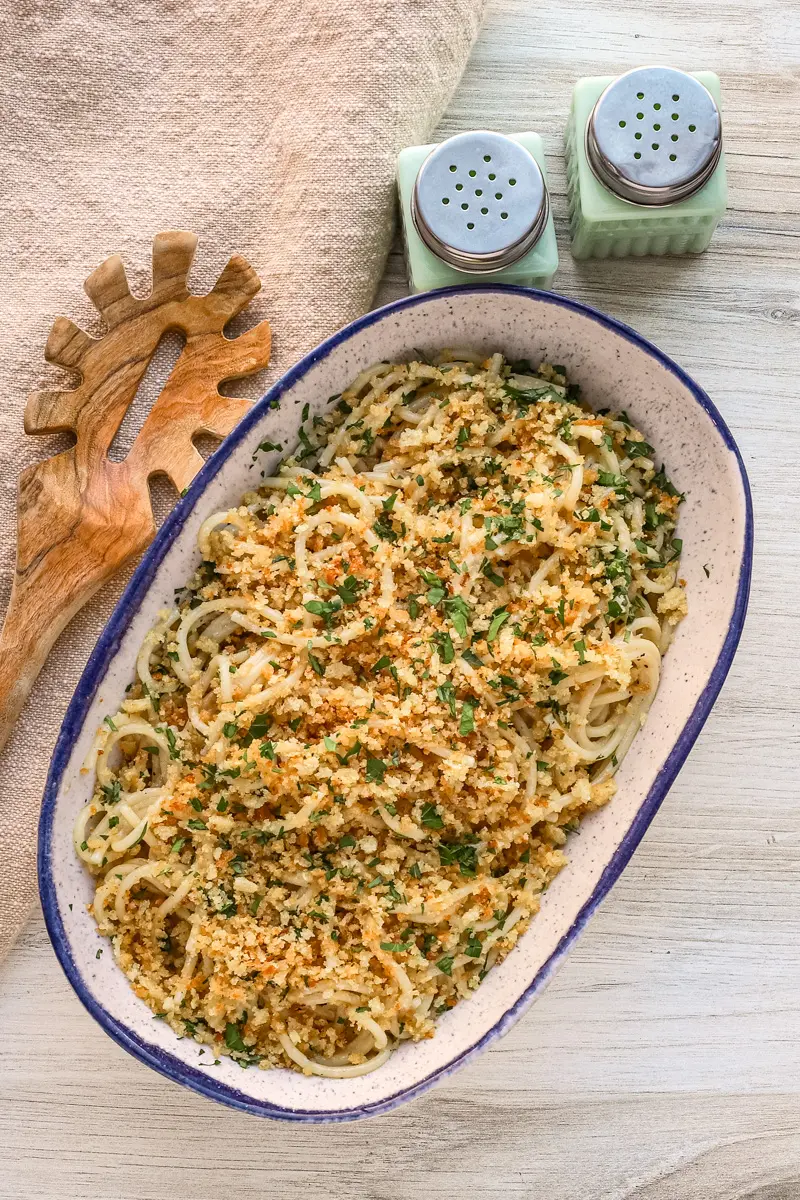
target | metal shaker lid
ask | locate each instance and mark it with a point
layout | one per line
(654, 136)
(479, 201)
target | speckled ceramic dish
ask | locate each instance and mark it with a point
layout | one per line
(613, 365)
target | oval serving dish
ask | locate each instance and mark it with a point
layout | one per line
(614, 366)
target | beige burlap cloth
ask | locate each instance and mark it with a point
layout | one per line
(268, 127)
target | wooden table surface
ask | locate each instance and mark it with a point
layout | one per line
(664, 1061)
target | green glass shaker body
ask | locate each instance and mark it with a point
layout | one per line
(602, 223)
(427, 269)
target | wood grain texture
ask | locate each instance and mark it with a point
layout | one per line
(664, 1061)
(81, 516)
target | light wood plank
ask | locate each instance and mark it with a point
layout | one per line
(664, 1061)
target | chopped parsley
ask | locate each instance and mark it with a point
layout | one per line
(459, 613)
(498, 621)
(447, 694)
(465, 854)
(489, 572)
(376, 769)
(169, 734)
(348, 590)
(430, 817)
(557, 675)
(466, 723)
(473, 948)
(316, 666)
(327, 609)
(443, 644)
(638, 449)
(233, 1039)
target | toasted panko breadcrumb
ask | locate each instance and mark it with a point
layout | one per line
(406, 668)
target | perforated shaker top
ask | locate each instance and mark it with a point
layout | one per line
(480, 202)
(654, 136)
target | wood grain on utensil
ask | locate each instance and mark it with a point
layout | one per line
(80, 515)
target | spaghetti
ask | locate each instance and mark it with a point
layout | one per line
(406, 667)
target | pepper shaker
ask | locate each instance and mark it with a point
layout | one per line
(476, 209)
(645, 168)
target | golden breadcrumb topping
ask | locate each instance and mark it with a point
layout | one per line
(405, 669)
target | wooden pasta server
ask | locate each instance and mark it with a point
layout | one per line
(81, 516)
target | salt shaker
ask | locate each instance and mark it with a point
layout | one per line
(476, 209)
(645, 168)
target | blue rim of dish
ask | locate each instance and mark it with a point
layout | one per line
(134, 594)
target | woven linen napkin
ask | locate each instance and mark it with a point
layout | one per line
(266, 127)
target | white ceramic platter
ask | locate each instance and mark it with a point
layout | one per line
(614, 367)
